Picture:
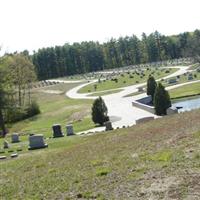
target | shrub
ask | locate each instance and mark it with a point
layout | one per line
(151, 86)
(33, 109)
(99, 111)
(20, 113)
(161, 100)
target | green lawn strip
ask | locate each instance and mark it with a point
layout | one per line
(124, 80)
(182, 79)
(192, 89)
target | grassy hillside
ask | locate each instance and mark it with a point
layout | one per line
(155, 160)
(56, 108)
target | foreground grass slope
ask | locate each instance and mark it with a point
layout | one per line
(157, 160)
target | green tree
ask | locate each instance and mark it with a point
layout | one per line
(4, 93)
(99, 111)
(161, 100)
(22, 74)
(151, 87)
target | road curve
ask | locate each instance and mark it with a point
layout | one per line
(120, 108)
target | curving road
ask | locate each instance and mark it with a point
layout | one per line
(120, 108)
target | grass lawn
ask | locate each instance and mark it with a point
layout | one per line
(126, 80)
(186, 90)
(183, 79)
(154, 160)
(56, 108)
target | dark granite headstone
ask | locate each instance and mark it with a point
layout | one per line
(70, 130)
(57, 132)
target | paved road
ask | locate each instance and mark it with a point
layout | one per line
(120, 106)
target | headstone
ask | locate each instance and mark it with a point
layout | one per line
(190, 77)
(2, 157)
(5, 144)
(140, 89)
(15, 138)
(172, 81)
(70, 130)
(14, 155)
(57, 132)
(108, 126)
(37, 142)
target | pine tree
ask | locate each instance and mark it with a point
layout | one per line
(99, 111)
(161, 100)
(151, 87)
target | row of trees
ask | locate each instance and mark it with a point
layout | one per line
(17, 73)
(92, 56)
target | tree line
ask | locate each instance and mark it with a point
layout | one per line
(17, 74)
(78, 58)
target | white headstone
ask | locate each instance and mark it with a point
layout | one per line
(70, 130)
(37, 142)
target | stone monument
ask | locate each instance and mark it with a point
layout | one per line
(108, 126)
(5, 144)
(37, 142)
(15, 138)
(70, 130)
(57, 132)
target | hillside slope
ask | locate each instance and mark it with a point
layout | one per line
(155, 160)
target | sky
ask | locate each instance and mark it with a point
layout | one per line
(34, 24)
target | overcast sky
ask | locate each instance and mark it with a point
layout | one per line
(33, 24)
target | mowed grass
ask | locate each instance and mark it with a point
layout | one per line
(186, 90)
(56, 109)
(126, 79)
(183, 79)
(158, 160)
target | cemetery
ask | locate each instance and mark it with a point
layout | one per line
(64, 134)
(96, 103)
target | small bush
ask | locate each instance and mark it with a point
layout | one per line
(33, 109)
(20, 113)
(99, 111)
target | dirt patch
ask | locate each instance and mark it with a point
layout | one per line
(160, 188)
